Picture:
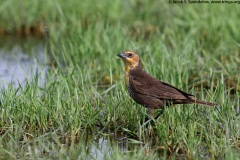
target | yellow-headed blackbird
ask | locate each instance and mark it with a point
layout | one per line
(149, 91)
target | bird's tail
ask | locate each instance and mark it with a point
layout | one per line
(196, 101)
(204, 103)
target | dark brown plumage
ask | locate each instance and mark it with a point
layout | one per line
(149, 91)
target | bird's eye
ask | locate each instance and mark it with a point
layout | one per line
(130, 55)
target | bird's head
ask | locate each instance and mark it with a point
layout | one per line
(130, 59)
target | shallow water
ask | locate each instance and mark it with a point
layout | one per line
(21, 60)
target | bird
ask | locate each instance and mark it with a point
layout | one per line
(150, 92)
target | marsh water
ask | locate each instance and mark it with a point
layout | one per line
(20, 60)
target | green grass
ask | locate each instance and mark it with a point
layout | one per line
(84, 100)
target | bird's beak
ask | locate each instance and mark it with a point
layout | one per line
(121, 55)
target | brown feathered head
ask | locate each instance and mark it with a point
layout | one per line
(130, 58)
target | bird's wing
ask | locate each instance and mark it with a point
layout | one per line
(145, 84)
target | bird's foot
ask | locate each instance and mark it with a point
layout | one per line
(159, 114)
(151, 120)
(148, 120)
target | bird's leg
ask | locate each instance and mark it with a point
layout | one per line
(150, 112)
(149, 116)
